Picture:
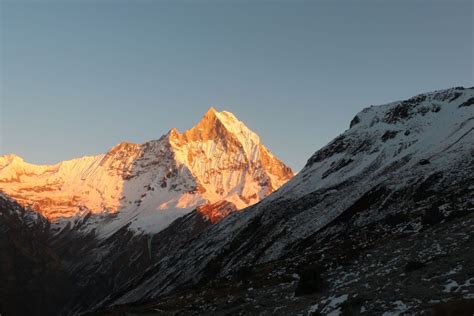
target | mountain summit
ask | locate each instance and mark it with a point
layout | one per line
(149, 185)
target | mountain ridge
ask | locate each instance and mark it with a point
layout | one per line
(402, 168)
(219, 159)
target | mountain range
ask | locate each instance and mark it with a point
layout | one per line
(379, 221)
(147, 186)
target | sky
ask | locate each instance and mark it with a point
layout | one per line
(78, 77)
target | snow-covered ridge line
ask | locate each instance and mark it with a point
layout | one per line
(149, 185)
(380, 135)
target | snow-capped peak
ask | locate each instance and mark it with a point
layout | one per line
(148, 185)
(220, 125)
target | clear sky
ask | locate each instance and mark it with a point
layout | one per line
(77, 77)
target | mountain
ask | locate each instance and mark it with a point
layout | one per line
(104, 218)
(147, 186)
(378, 221)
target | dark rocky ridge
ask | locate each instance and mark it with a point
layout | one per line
(32, 278)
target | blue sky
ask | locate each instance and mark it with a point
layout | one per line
(77, 77)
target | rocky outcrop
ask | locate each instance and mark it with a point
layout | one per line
(32, 278)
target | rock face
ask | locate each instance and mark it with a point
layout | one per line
(151, 184)
(32, 278)
(402, 173)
